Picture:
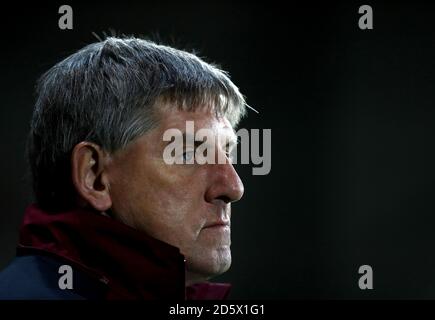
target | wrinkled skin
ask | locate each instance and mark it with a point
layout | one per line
(178, 203)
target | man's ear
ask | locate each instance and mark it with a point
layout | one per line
(89, 175)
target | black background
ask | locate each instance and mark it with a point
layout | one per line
(352, 118)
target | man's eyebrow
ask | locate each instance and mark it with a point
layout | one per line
(230, 140)
(186, 137)
(232, 137)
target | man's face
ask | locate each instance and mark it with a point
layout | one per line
(185, 205)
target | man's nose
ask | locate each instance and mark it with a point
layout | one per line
(226, 184)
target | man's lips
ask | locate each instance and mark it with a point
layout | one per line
(217, 224)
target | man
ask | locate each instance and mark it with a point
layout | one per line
(113, 219)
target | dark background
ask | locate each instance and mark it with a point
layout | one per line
(352, 116)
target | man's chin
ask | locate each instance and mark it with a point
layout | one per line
(206, 269)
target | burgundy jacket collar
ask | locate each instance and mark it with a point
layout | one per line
(132, 264)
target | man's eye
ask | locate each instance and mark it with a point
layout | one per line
(188, 156)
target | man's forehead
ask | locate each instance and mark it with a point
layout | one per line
(178, 119)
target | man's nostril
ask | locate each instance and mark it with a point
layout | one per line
(225, 199)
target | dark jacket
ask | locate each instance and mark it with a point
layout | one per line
(109, 260)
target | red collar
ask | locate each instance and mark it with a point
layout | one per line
(131, 263)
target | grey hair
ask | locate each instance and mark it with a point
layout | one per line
(107, 93)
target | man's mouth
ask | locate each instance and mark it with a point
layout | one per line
(217, 224)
